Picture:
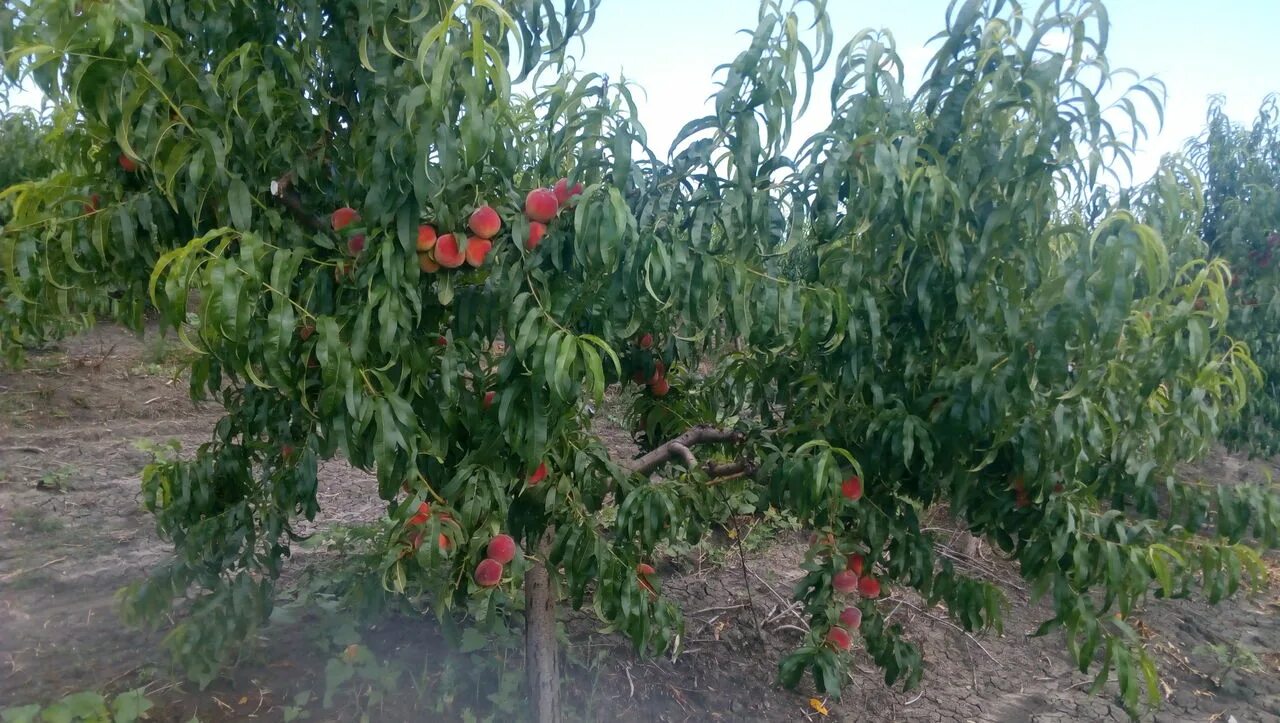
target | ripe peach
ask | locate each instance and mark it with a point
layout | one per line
(485, 222)
(488, 399)
(659, 371)
(564, 192)
(427, 264)
(839, 638)
(852, 488)
(855, 564)
(502, 549)
(92, 205)
(127, 163)
(442, 340)
(448, 252)
(851, 618)
(477, 250)
(536, 232)
(488, 573)
(869, 587)
(645, 341)
(538, 475)
(426, 238)
(343, 217)
(845, 582)
(443, 542)
(424, 513)
(541, 205)
(306, 331)
(660, 387)
(643, 571)
(355, 244)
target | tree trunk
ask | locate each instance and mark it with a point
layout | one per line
(541, 648)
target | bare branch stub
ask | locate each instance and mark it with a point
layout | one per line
(680, 448)
(281, 190)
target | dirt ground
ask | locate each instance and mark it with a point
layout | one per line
(73, 531)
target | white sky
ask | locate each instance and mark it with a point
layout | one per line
(1198, 48)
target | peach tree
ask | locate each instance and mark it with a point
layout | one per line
(413, 239)
(1239, 167)
(32, 310)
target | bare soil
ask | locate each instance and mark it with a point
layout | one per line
(73, 531)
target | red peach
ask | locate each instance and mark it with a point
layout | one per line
(442, 340)
(852, 488)
(485, 222)
(855, 564)
(343, 217)
(536, 232)
(660, 388)
(538, 475)
(127, 163)
(839, 638)
(355, 244)
(502, 549)
(851, 618)
(424, 513)
(659, 371)
(645, 568)
(427, 264)
(306, 331)
(477, 250)
(845, 581)
(488, 573)
(488, 399)
(426, 238)
(645, 341)
(541, 205)
(564, 192)
(448, 253)
(869, 587)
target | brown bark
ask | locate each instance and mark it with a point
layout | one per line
(679, 447)
(541, 648)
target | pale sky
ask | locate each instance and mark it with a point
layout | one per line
(1197, 47)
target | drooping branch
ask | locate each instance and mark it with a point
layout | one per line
(680, 448)
(282, 191)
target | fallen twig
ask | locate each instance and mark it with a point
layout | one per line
(16, 573)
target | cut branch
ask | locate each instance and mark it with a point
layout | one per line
(281, 190)
(680, 448)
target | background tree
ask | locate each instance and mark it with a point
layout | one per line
(34, 307)
(393, 263)
(1239, 167)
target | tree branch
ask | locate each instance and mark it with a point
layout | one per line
(679, 448)
(281, 190)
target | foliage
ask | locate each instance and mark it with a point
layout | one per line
(1239, 167)
(84, 707)
(950, 332)
(27, 296)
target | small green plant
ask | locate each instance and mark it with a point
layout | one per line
(57, 480)
(87, 706)
(1231, 657)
